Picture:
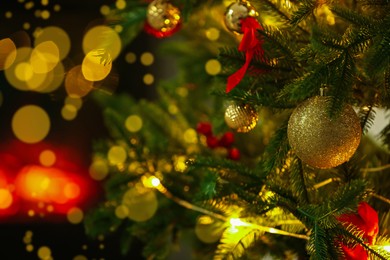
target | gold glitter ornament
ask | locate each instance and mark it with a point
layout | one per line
(241, 118)
(237, 11)
(321, 141)
(163, 18)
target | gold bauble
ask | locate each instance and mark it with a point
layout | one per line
(321, 141)
(241, 118)
(237, 11)
(163, 16)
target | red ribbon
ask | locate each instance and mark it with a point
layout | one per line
(251, 45)
(367, 221)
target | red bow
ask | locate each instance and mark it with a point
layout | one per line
(367, 221)
(251, 45)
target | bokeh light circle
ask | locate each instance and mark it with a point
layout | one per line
(75, 215)
(58, 36)
(5, 198)
(96, 65)
(47, 158)
(30, 124)
(141, 202)
(102, 37)
(7, 53)
(98, 169)
(133, 123)
(117, 155)
(75, 83)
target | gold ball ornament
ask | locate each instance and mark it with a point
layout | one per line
(163, 19)
(242, 118)
(321, 141)
(237, 11)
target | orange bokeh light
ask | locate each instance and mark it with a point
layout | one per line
(36, 183)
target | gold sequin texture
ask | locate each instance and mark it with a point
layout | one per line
(163, 16)
(319, 140)
(241, 118)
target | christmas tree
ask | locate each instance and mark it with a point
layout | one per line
(258, 146)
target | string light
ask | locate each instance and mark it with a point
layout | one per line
(234, 221)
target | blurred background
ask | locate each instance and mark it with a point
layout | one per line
(46, 186)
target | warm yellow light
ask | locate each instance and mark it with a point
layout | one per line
(148, 79)
(44, 252)
(31, 124)
(47, 158)
(56, 35)
(45, 14)
(130, 57)
(386, 248)
(141, 202)
(213, 67)
(272, 230)
(75, 215)
(75, 83)
(7, 53)
(190, 136)
(117, 155)
(133, 123)
(29, 248)
(98, 169)
(69, 112)
(236, 222)
(121, 211)
(147, 58)
(96, 65)
(44, 57)
(120, 4)
(77, 102)
(24, 71)
(105, 10)
(180, 163)
(102, 37)
(151, 182)
(212, 34)
(5, 199)
(71, 190)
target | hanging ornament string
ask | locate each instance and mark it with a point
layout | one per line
(250, 45)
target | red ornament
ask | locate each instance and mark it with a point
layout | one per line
(367, 221)
(234, 154)
(226, 140)
(251, 45)
(204, 128)
(158, 33)
(212, 142)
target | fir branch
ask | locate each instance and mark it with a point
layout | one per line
(305, 9)
(276, 151)
(379, 60)
(233, 244)
(131, 19)
(297, 181)
(317, 246)
(224, 164)
(354, 17)
(367, 116)
(385, 135)
(342, 76)
(113, 119)
(278, 40)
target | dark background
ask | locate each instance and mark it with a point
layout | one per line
(64, 239)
